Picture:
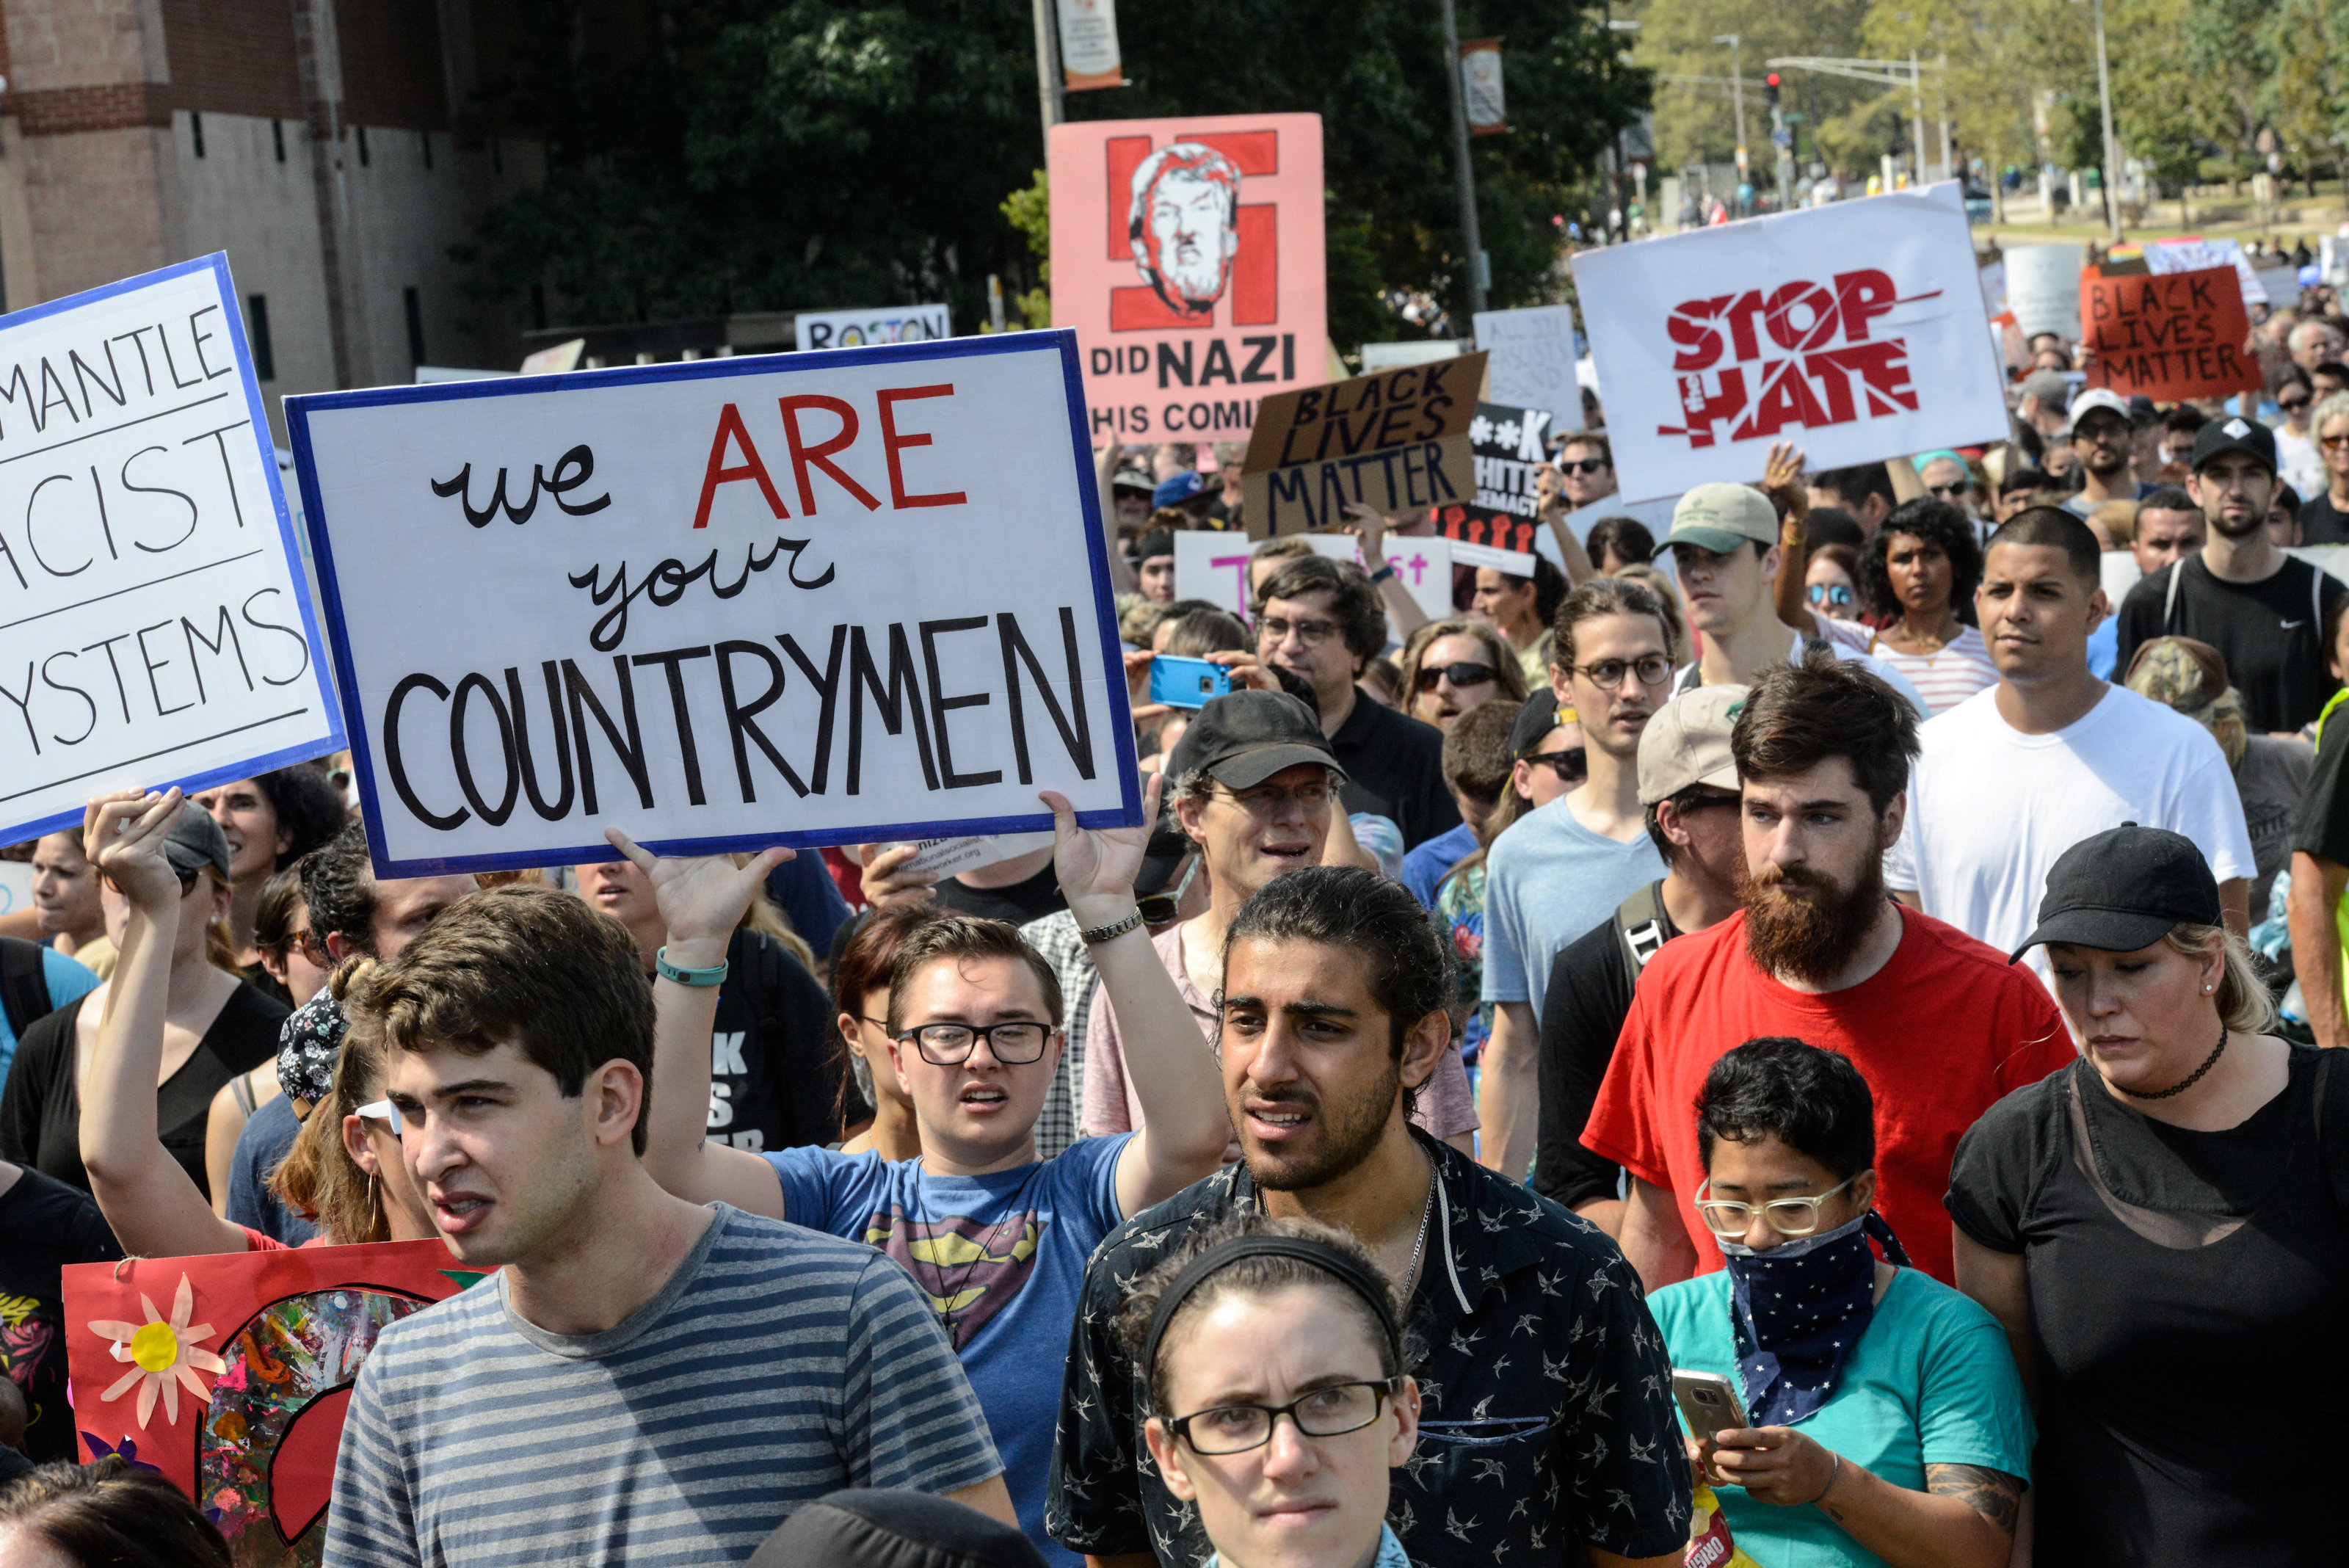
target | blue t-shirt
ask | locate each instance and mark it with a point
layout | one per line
(268, 1135)
(1548, 880)
(67, 981)
(1005, 1253)
(1424, 867)
(1930, 1382)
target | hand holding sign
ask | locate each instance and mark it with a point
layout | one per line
(1096, 866)
(702, 897)
(123, 835)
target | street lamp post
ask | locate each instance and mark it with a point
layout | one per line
(1469, 233)
(1737, 93)
(2112, 145)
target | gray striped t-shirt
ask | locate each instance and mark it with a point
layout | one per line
(777, 1365)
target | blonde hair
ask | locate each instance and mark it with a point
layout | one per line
(318, 1177)
(2245, 1004)
(767, 918)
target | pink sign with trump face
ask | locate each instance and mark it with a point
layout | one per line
(1187, 253)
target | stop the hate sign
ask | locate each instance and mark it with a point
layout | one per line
(1187, 255)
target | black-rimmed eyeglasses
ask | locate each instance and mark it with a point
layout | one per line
(950, 1045)
(1329, 1412)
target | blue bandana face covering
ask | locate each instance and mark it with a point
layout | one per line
(1797, 1310)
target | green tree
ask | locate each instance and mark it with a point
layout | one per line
(707, 156)
(1696, 121)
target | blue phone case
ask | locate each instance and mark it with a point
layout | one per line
(1187, 682)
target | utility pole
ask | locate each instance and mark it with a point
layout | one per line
(1469, 234)
(2111, 146)
(1050, 95)
(1917, 118)
(1737, 91)
(1949, 153)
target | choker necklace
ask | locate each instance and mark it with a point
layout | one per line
(2185, 1083)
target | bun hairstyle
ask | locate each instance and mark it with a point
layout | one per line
(1257, 1276)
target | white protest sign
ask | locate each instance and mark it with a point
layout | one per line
(1213, 567)
(1856, 331)
(2043, 289)
(1533, 361)
(867, 329)
(795, 598)
(2194, 253)
(944, 857)
(2280, 284)
(155, 627)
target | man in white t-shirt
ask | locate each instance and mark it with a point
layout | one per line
(1725, 545)
(2014, 776)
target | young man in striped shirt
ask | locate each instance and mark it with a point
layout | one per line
(645, 1379)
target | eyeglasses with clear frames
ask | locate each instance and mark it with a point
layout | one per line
(1329, 1412)
(1274, 629)
(1786, 1215)
(1653, 669)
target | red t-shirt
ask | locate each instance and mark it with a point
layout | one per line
(1941, 1032)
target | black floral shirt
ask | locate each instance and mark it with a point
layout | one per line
(1547, 1415)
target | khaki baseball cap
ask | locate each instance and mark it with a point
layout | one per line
(1687, 742)
(1721, 517)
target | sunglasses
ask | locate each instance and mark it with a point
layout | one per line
(1832, 594)
(1157, 908)
(2334, 442)
(2295, 406)
(1425, 678)
(1948, 492)
(1574, 763)
(385, 1111)
(1583, 465)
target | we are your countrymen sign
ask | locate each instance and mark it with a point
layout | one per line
(154, 624)
(810, 598)
(1856, 331)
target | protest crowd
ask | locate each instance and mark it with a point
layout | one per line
(1795, 1030)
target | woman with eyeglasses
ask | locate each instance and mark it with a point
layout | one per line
(2163, 1229)
(344, 1167)
(1885, 1423)
(2324, 516)
(1831, 583)
(1917, 580)
(1280, 1392)
(214, 1024)
(861, 968)
(270, 821)
(296, 961)
(1451, 666)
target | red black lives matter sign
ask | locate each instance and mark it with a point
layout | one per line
(1187, 253)
(1857, 330)
(2169, 336)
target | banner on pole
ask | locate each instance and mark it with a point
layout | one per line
(867, 329)
(1480, 87)
(1396, 442)
(260, 1349)
(1856, 331)
(789, 600)
(1088, 57)
(2169, 335)
(155, 627)
(1188, 257)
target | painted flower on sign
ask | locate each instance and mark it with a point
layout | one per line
(165, 1353)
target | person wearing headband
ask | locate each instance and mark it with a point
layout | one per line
(1279, 1392)
(1886, 1423)
(2161, 1229)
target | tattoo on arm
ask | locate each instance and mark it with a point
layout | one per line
(1994, 1494)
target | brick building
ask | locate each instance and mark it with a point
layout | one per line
(328, 146)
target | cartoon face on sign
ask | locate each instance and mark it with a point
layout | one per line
(1184, 224)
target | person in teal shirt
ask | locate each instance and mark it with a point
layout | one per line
(1890, 1426)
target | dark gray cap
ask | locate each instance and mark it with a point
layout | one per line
(196, 841)
(2123, 889)
(893, 1528)
(1245, 737)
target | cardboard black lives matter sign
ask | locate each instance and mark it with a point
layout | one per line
(1396, 442)
(2169, 335)
(1507, 444)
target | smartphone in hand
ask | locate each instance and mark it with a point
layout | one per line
(1187, 682)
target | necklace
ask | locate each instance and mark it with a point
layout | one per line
(1411, 1270)
(951, 1292)
(2189, 1080)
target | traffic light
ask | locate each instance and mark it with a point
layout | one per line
(1770, 89)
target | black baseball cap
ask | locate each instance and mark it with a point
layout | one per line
(893, 1528)
(2125, 889)
(1245, 737)
(2234, 434)
(1535, 719)
(196, 841)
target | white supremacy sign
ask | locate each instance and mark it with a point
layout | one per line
(799, 599)
(154, 624)
(1854, 330)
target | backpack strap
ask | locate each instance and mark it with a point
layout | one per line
(1639, 923)
(24, 983)
(2169, 595)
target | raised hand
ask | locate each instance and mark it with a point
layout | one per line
(1781, 480)
(701, 898)
(1097, 865)
(1368, 525)
(123, 834)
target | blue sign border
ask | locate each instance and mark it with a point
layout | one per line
(298, 410)
(217, 265)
